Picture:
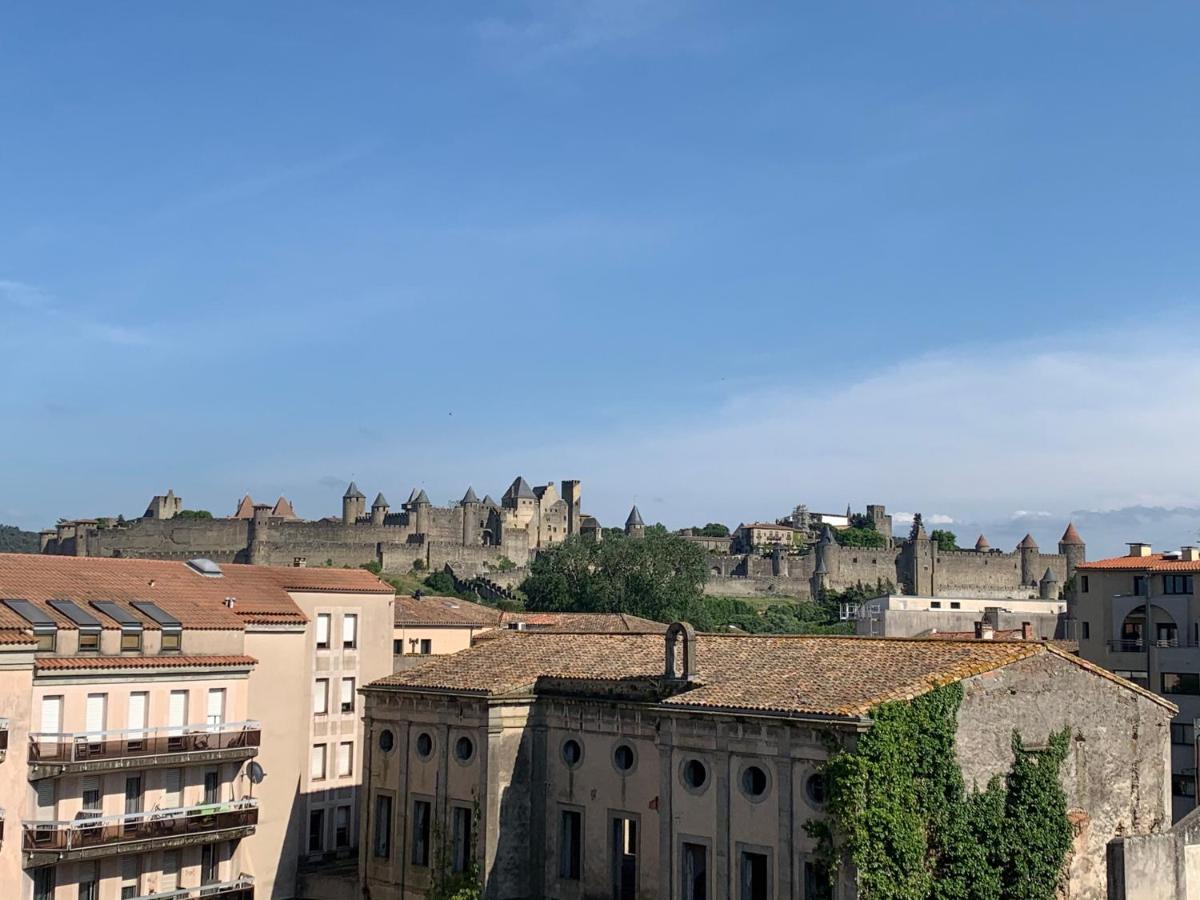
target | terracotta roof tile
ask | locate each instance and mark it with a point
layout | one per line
(58, 663)
(1152, 563)
(825, 675)
(432, 610)
(1071, 535)
(583, 622)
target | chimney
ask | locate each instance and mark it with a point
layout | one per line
(1189, 554)
(984, 631)
(1137, 548)
(231, 602)
(1027, 631)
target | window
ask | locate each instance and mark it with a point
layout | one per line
(694, 879)
(397, 648)
(210, 863)
(1180, 683)
(347, 695)
(695, 774)
(131, 639)
(43, 883)
(212, 786)
(1137, 677)
(954, 604)
(173, 788)
(321, 696)
(382, 843)
(817, 883)
(464, 749)
(754, 782)
(572, 752)
(345, 758)
(1083, 584)
(133, 794)
(1177, 584)
(131, 875)
(420, 847)
(323, 631)
(1085, 630)
(89, 880)
(1139, 585)
(135, 715)
(89, 789)
(387, 740)
(935, 604)
(96, 718)
(570, 845)
(624, 758)
(816, 789)
(216, 706)
(177, 712)
(349, 631)
(460, 828)
(316, 762)
(1183, 785)
(316, 830)
(171, 639)
(169, 880)
(426, 646)
(341, 827)
(46, 640)
(424, 745)
(1182, 734)
(89, 642)
(754, 875)
(623, 850)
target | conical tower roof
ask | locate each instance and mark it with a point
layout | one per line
(380, 500)
(827, 535)
(488, 501)
(412, 497)
(820, 567)
(635, 518)
(245, 509)
(1027, 543)
(982, 544)
(470, 497)
(520, 490)
(1049, 577)
(1070, 536)
(422, 497)
(353, 493)
(283, 508)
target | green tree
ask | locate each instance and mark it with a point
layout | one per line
(859, 537)
(193, 514)
(660, 577)
(712, 529)
(946, 540)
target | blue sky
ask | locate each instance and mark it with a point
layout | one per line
(713, 258)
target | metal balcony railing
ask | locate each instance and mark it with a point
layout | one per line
(1136, 646)
(99, 831)
(88, 746)
(240, 889)
(3, 735)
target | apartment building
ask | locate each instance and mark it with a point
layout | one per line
(162, 733)
(572, 765)
(1113, 601)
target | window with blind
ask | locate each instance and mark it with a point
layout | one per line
(321, 696)
(216, 706)
(347, 695)
(316, 764)
(323, 631)
(349, 631)
(177, 711)
(135, 719)
(345, 758)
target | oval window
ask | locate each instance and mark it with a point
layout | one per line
(623, 758)
(754, 781)
(387, 740)
(464, 749)
(572, 752)
(695, 774)
(424, 745)
(816, 789)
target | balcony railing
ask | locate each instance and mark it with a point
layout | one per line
(90, 746)
(239, 889)
(1136, 646)
(3, 737)
(159, 824)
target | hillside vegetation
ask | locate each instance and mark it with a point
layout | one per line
(14, 540)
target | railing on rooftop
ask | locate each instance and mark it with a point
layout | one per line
(1136, 646)
(87, 746)
(241, 888)
(99, 831)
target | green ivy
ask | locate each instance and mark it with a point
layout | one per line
(901, 814)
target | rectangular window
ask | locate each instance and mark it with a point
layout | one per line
(1182, 734)
(316, 830)
(177, 712)
(345, 758)
(426, 646)
(420, 833)
(341, 827)
(97, 713)
(1139, 585)
(1177, 584)
(1086, 630)
(623, 854)
(694, 879)
(570, 845)
(383, 827)
(1137, 677)
(135, 716)
(323, 631)
(954, 604)
(131, 875)
(1183, 785)
(133, 794)
(935, 604)
(754, 876)
(397, 648)
(89, 642)
(216, 706)
(1083, 584)
(316, 764)
(349, 631)
(817, 883)
(460, 829)
(1180, 683)
(169, 880)
(209, 864)
(44, 883)
(173, 788)
(347, 695)
(131, 639)
(212, 786)
(89, 788)
(321, 696)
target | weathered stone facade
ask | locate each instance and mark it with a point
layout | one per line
(470, 535)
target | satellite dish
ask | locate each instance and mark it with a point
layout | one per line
(256, 773)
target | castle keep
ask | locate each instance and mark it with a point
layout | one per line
(468, 535)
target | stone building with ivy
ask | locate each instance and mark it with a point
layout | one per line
(693, 766)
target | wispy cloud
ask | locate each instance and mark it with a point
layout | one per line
(43, 309)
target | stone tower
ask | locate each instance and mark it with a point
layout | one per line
(634, 526)
(1048, 586)
(1071, 546)
(470, 518)
(921, 560)
(421, 507)
(354, 504)
(819, 583)
(1030, 557)
(258, 536)
(379, 509)
(572, 493)
(881, 520)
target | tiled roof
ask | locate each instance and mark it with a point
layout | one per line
(444, 611)
(584, 623)
(59, 663)
(824, 675)
(774, 525)
(1027, 543)
(1152, 563)
(1071, 535)
(260, 592)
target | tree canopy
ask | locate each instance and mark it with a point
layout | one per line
(712, 529)
(946, 540)
(859, 537)
(193, 514)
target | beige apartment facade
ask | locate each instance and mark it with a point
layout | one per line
(579, 765)
(158, 715)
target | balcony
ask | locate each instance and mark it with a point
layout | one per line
(3, 739)
(160, 829)
(241, 889)
(1136, 646)
(94, 751)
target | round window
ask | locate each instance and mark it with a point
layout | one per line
(464, 749)
(387, 740)
(754, 782)
(623, 758)
(695, 774)
(572, 752)
(424, 744)
(816, 789)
